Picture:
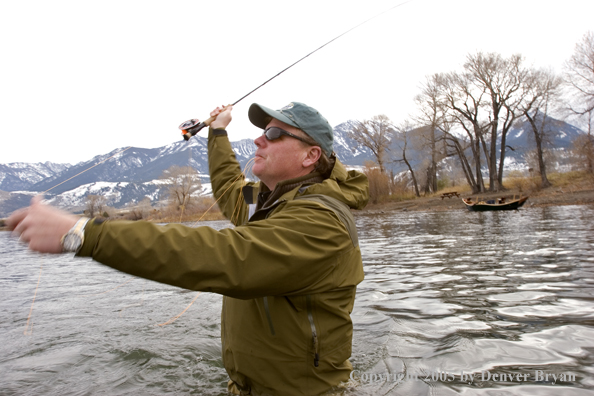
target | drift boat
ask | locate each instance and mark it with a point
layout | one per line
(494, 204)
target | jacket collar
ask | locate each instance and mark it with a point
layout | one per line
(267, 197)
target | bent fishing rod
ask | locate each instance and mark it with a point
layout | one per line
(192, 127)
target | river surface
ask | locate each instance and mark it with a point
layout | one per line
(454, 302)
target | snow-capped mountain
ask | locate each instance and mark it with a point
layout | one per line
(560, 135)
(22, 175)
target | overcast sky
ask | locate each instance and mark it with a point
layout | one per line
(81, 78)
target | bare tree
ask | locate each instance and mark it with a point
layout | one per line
(432, 114)
(579, 79)
(542, 90)
(402, 135)
(182, 182)
(447, 100)
(463, 100)
(142, 210)
(375, 135)
(483, 101)
(579, 76)
(584, 150)
(95, 204)
(501, 79)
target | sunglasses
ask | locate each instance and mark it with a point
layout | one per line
(274, 133)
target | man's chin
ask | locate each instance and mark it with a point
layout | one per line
(257, 170)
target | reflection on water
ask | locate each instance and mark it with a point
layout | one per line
(450, 300)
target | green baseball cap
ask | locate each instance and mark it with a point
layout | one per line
(299, 115)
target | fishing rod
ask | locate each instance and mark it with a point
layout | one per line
(192, 127)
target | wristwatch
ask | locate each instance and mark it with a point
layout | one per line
(73, 239)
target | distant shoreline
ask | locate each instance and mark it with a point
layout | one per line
(548, 197)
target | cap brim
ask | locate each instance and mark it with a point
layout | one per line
(260, 116)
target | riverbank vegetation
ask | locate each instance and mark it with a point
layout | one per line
(183, 202)
(197, 209)
(567, 188)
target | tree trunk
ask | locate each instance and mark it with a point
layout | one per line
(501, 160)
(476, 151)
(466, 168)
(507, 124)
(412, 174)
(538, 139)
(493, 182)
(433, 160)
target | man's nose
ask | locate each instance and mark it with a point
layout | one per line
(260, 141)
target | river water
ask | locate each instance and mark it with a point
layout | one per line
(452, 303)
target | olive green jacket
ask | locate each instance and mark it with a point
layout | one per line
(288, 272)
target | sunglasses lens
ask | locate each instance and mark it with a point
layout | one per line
(272, 133)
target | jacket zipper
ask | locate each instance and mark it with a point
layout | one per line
(314, 333)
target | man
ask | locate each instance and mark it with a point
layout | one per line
(288, 270)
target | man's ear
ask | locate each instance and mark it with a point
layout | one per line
(313, 155)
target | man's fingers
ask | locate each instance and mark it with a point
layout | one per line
(215, 112)
(24, 237)
(41, 226)
(16, 218)
(21, 226)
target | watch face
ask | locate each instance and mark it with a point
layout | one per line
(72, 242)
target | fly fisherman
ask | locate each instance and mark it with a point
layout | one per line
(288, 270)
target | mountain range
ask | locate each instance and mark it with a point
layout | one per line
(125, 176)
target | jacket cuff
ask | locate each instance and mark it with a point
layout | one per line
(216, 132)
(92, 232)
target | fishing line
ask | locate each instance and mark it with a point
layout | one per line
(235, 213)
(249, 164)
(192, 127)
(91, 167)
(29, 330)
(180, 314)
